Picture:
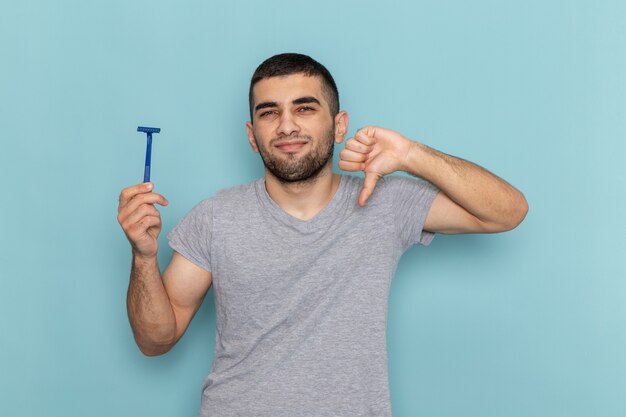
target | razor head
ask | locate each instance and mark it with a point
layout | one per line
(148, 129)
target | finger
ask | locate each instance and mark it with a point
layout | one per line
(137, 230)
(366, 135)
(138, 214)
(144, 198)
(129, 192)
(144, 201)
(151, 222)
(365, 138)
(352, 156)
(351, 166)
(368, 187)
(354, 145)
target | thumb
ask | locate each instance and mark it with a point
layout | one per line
(371, 179)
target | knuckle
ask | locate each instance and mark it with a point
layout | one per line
(142, 200)
(125, 193)
(143, 209)
(128, 228)
(135, 228)
(150, 221)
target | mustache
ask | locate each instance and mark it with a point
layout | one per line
(290, 138)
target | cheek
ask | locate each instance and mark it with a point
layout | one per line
(262, 132)
(260, 144)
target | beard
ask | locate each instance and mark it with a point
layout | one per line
(292, 168)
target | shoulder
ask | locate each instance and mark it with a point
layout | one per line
(400, 181)
(231, 196)
(231, 199)
(388, 181)
(405, 187)
(237, 194)
(389, 184)
(351, 182)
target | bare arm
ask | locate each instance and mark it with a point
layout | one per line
(186, 284)
(159, 308)
(149, 310)
(472, 200)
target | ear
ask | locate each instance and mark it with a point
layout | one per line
(341, 126)
(251, 140)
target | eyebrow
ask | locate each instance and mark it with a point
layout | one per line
(301, 100)
(265, 105)
(304, 100)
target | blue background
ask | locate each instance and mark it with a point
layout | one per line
(526, 323)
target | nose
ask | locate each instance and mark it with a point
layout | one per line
(287, 125)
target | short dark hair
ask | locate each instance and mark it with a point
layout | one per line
(292, 63)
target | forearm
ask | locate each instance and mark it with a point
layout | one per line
(487, 197)
(149, 310)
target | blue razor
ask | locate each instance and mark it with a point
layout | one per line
(148, 131)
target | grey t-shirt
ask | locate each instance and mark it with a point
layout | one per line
(302, 305)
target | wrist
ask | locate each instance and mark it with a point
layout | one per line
(143, 259)
(411, 162)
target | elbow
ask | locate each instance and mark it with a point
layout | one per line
(154, 349)
(519, 209)
(155, 346)
(515, 214)
(152, 353)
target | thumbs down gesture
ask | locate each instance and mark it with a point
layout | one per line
(377, 152)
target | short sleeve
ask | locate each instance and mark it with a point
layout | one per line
(191, 237)
(412, 199)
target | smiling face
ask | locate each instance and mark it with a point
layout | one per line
(292, 127)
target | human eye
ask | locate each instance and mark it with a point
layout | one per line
(266, 113)
(305, 109)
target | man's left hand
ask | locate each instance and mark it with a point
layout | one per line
(377, 152)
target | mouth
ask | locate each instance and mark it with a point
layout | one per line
(291, 146)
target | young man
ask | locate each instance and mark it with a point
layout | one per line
(301, 260)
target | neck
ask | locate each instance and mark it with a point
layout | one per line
(303, 199)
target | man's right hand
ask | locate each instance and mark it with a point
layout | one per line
(139, 219)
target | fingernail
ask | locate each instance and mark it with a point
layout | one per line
(149, 185)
